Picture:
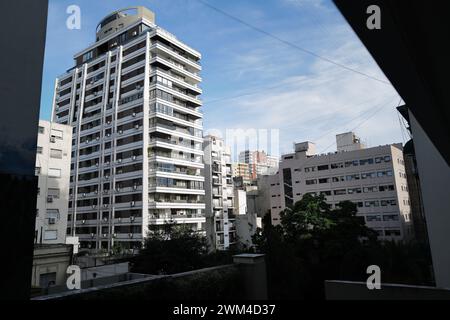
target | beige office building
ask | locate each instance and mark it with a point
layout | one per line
(373, 178)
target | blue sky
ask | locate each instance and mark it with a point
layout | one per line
(251, 80)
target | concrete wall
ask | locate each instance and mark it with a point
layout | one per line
(347, 290)
(434, 175)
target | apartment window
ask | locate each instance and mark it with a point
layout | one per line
(373, 218)
(389, 187)
(368, 175)
(39, 150)
(37, 171)
(41, 130)
(56, 153)
(310, 182)
(337, 165)
(354, 190)
(50, 235)
(54, 173)
(87, 56)
(352, 177)
(53, 192)
(338, 179)
(365, 161)
(310, 169)
(340, 192)
(375, 203)
(324, 180)
(56, 134)
(370, 189)
(390, 217)
(387, 173)
(323, 167)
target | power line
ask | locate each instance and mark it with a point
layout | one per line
(288, 43)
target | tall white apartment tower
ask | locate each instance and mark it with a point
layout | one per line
(220, 204)
(373, 178)
(132, 100)
(53, 171)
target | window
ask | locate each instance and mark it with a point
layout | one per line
(324, 180)
(352, 177)
(37, 171)
(390, 217)
(370, 189)
(310, 169)
(326, 193)
(39, 150)
(53, 192)
(311, 181)
(368, 175)
(371, 218)
(323, 167)
(56, 153)
(337, 165)
(354, 190)
(87, 56)
(50, 235)
(389, 187)
(41, 130)
(54, 173)
(57, 134)
(374, 203)
(340, 192)
(338, 179)
(365, 161)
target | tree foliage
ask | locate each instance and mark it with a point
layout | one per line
(314, 243)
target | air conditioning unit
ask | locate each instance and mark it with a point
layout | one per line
(51, 220)
(83, 221)
(92, 235)
(136, 126)
(87, 141)
(134, 157)
(84, 194)
(119, 219)
(108, 122)
(134, 33)
(134, 114)
(105, 219)
(135, 187)
(108, 134)
(115, 235)
(52, 139)
(105, 235)
(98, 138)
(117, 189)
(132, 218)
(94, 206)
(49, 199)
(132, 203)
(119, 160)
(130, 235)
(96, 164)
(106, 177)
(96, 191)
(120, 131)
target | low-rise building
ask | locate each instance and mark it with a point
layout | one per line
(53, 169)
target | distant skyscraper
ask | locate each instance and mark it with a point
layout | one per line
(259, 163)
(372, 178)
(132, 100)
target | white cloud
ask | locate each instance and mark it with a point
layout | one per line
(315, 104)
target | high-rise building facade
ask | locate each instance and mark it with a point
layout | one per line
(259, 163)
(53, 171)
(220, 204)
(132, 99)
(372, 178)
